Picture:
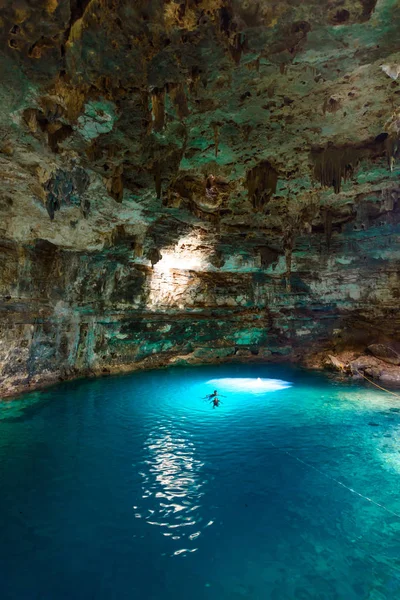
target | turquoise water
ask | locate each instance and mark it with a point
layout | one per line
(134, 487)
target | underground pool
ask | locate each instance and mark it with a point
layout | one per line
(137, 487)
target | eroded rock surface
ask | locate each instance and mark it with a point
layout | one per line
(386, 352)
(195, 180)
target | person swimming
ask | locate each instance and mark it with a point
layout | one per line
(215, 402)
(214, 398)
(211, 396)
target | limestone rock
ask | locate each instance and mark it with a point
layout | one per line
(243, 352)
(389, 353)
(373, 372)
(180, 179)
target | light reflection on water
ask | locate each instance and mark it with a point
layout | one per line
(172, 482)
(254, 385)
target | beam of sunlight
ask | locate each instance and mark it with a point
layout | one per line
(171, 277)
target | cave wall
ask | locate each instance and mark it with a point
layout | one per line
(66, 313)
(194, 181)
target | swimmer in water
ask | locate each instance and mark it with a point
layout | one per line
(211, 396)
(214, 398)
(215, 402)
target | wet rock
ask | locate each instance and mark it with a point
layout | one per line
(373, 372)
(389, 353)
(261, 182)
(390, 377)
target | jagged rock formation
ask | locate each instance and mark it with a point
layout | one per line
(195, 180)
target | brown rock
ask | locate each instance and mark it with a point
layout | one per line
(245, 352)
(373, 372)
(386, 352)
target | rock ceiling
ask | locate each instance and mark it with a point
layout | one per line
(226, 113)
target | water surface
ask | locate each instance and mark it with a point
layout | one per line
(134, 487)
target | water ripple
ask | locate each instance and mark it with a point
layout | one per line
(108, 485)
(172, 482)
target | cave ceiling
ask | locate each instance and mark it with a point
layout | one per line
(136, 123)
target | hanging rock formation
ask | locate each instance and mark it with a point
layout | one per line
(184, 181)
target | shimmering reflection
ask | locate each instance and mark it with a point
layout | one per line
(172, 486)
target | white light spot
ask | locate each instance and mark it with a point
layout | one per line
(248, 384)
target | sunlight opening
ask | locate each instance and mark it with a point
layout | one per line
(172, 278)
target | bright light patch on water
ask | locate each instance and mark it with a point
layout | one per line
(249, 384)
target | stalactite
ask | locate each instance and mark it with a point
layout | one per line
(117, 189)
(179, 99)
(118, 235)
(158, 108)
(391, 148)
(194, 79)
(225, 18)
(115, 186)
(154, 256)
(181, 11)
(216, 137)
(333, 165)
(368, 8)
(246, 129)
(261, 184)
(147, 110)
(238, 46)
(138, 249)
(85, 207)
(229, 27)
(157, 178)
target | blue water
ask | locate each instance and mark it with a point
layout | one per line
(134, 487)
